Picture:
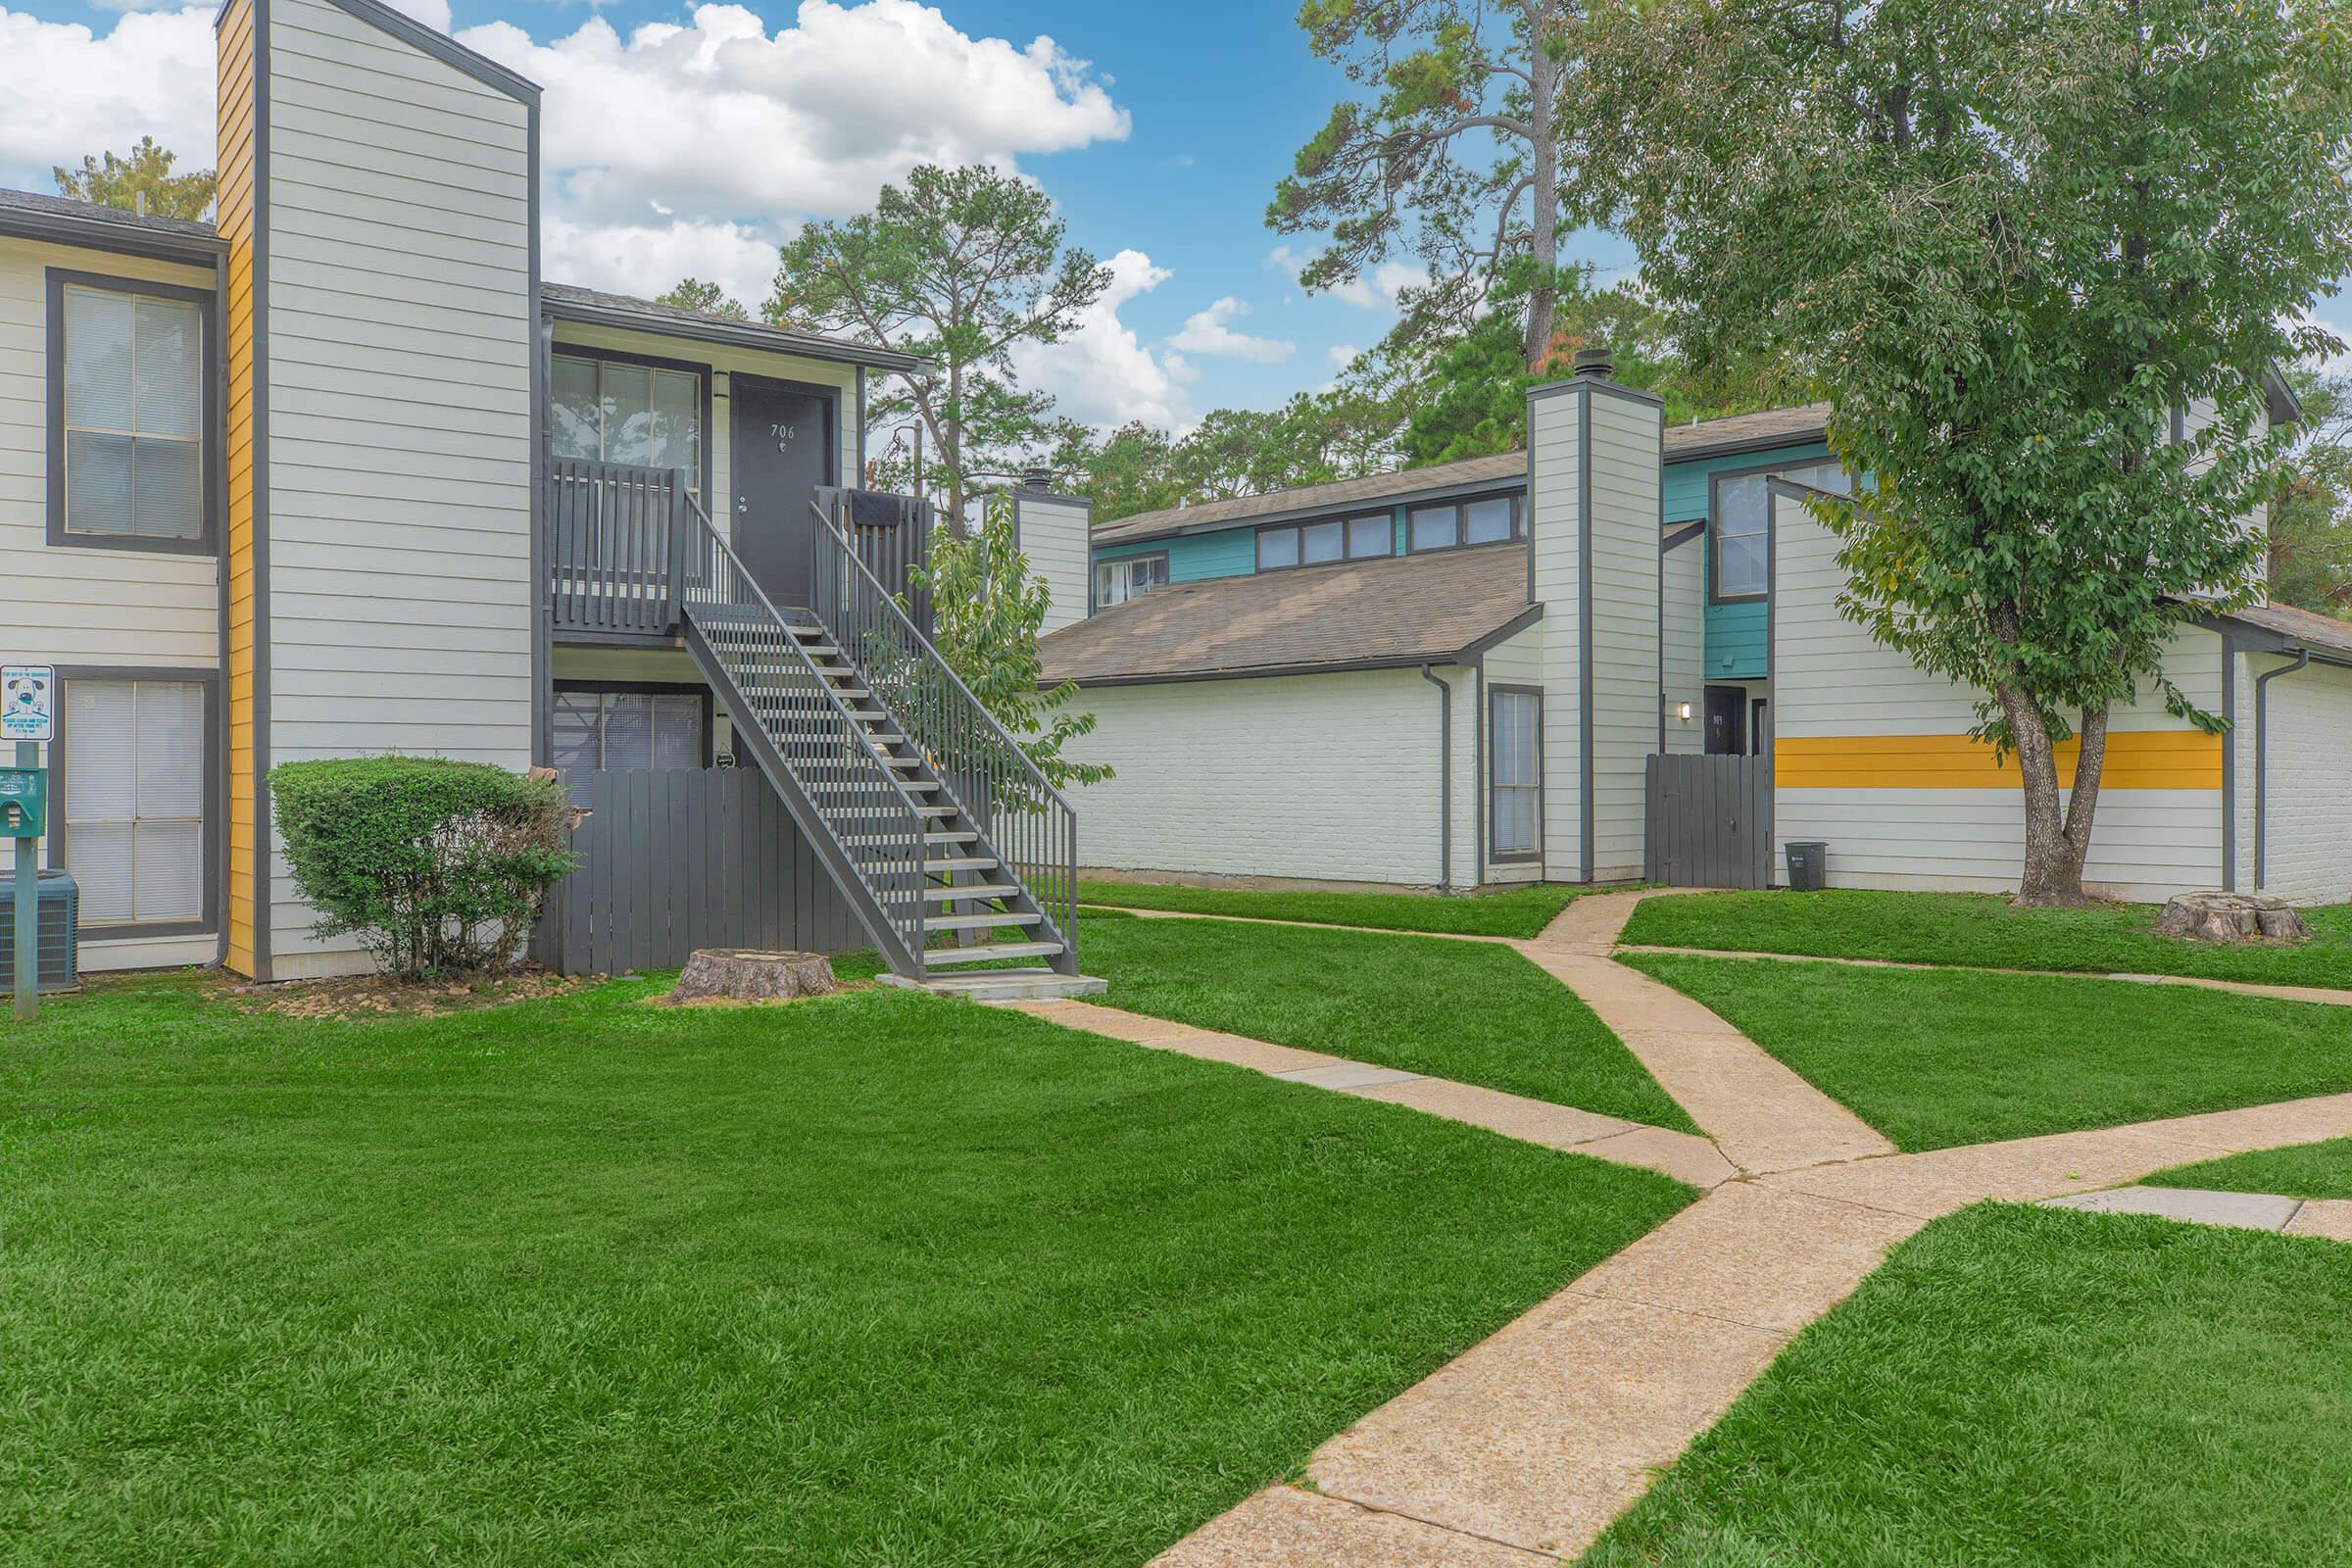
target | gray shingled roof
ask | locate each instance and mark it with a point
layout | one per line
(25, 210)
(571, 302)
(1737, 432)
(2322, 635)
(1396, 611)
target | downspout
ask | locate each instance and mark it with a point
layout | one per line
(2262, 763)
(1444, 779)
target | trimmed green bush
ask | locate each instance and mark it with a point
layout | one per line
(436, 867)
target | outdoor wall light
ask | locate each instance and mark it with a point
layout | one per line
(1684, 713)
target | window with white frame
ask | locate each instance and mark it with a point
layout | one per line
(134, 413)
(1514, 770)
(1129, 578)
(611, 728)
(1739, 532)
(617, 410)
(134, 808)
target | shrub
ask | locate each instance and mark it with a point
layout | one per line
(436, 865)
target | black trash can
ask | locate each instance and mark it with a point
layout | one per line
(1808, 866)
(58, 916)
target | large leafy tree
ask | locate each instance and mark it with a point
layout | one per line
(109, 180)
(1312, 439)
(961, 267)
(2010, 242)
(2311, 516)
(1455, 151)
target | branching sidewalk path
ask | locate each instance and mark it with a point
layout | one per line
(1524, 1448)
(2328, 996)
(1535, 1121)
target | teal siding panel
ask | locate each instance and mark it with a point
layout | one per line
(1735, 648)
(1192, 557)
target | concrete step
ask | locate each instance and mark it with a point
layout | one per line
(1005, 985)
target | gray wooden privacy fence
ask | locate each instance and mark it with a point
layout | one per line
(1710, 821)
(674, 860)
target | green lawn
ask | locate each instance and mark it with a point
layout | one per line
(2302, 1170)
(1937, 1057)
(1967, 928)
(1511, 913)
(1472, 1011)
(2022, 1388)
(877, 1279)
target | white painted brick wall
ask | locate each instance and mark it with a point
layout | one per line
(1331, 777)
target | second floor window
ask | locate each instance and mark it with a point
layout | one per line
(1488, 521)
(1130, 577)
(612, 410)
(1742, 525)
(1312, 544)
(133, 416)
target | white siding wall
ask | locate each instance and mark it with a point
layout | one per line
(400, 347)
(1324, 777)
(2308, 856)
(1053, 536)
(1627, 471)
(1685, 654)
(1831, 679)
(77, 606)
(722, 363)
(1555, 446)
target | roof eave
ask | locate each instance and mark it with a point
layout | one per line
(101, 234)
(1511, 482)
(1469, 653)
(729, 334)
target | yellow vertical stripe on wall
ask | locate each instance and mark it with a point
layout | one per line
(237, 154)
(2136, 760)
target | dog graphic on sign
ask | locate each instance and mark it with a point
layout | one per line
(25, 705)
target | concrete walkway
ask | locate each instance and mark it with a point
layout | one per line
(2326, 995)
(2328, 1217)
(1524, 1448)
(1535, 1121)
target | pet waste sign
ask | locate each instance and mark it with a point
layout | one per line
(27, 702)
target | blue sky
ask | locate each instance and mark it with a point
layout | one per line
(1159, 129)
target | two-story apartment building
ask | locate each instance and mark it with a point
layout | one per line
(1455, 676)
(342, 474)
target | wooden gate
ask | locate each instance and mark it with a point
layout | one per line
(1709, 821)
(674, 860)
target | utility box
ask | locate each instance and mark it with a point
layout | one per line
(59, 915)
(1808, 866)
(23, 801)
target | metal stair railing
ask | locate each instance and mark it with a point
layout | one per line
(873, 820)
(1030, 828)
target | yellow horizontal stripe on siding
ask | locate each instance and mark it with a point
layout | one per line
(2136, 760)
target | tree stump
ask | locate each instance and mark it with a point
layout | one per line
(746, 974)
(2229, 917)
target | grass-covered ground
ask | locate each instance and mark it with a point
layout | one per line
(1937, 1057)
(1510, 913)
(2303, 1170)
(2032, 1387)
(1473, 1011)
(1967, 928)
(876, 1278)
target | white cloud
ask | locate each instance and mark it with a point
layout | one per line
(1101, 374)
(1207, 332)
(648, 258)
(434, 14)
(1342, 355)
(722, 119)
(68, 92)
(1377, 292)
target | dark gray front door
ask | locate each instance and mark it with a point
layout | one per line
(783, 440)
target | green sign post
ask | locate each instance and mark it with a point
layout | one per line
(28, 716)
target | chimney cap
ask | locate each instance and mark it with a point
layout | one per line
(1595, 362)
(1037, 476)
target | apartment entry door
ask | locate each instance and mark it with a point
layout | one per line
(784, 442)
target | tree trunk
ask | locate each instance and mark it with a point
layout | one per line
(2090, 767)
(2052, 874)
(1544, 240)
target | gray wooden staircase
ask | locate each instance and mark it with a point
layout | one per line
(954, 851)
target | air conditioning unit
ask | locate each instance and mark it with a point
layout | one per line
(59, 944)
